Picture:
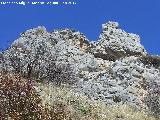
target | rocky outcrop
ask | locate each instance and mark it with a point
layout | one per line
(125, 81)
(114, 43)
(116, 69)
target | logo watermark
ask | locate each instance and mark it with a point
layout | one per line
(38, 2)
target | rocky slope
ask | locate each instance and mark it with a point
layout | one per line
(116, 69)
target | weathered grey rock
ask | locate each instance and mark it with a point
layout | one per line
(114, 43)
(125, 82)
(115, 70)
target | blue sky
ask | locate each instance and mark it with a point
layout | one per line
(137, 16)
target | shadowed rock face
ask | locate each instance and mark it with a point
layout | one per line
(151, 60)
(115, 69)
(112, 55)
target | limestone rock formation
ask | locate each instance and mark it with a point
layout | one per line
(116, 69)
(115, 42)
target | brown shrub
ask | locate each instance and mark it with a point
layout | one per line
(18, 100)
(60, 111)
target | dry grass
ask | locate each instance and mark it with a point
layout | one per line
(79, 107)
(21, 99)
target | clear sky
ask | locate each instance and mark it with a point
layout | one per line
(137, 16)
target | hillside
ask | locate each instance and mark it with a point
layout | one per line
(114, 73)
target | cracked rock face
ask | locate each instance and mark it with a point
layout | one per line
(125, 81)
(116, 43)
(116, 69)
